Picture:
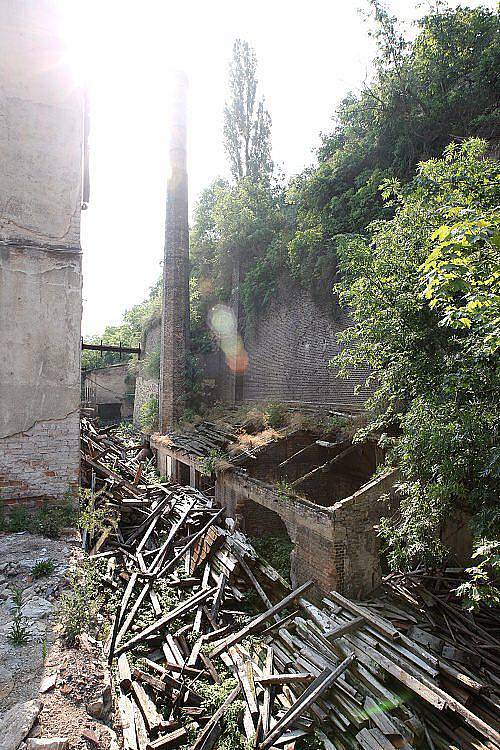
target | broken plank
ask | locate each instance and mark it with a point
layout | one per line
(308, 697)
(259, 620)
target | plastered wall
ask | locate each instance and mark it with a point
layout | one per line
(41, 145)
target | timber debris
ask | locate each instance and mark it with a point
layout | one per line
(409, 670)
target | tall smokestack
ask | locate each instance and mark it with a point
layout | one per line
(175, 317)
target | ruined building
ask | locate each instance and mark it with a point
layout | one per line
(317, 494)
(41, 149)
(309, 487)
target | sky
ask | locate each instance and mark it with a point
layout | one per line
(310, 54)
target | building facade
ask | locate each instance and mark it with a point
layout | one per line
(41, 151)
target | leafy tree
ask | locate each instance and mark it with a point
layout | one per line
(246, 222)
(424, 295)
(440, 87)
(247, 123)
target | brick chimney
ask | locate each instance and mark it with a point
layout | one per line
(175, 314)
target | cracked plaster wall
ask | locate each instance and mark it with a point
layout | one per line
(41, 145)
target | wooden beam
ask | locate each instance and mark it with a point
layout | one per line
(254, 624)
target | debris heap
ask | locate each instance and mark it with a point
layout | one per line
(196, 669)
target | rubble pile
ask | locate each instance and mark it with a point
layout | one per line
(196, 670)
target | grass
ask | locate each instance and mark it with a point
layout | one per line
(42, 569)
(47, 520)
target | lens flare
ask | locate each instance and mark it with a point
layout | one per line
(222, 321)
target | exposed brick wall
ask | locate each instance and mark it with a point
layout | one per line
(43, 461)
(357, 545)
(338, 548)
(289, 353)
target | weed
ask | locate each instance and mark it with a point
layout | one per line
(47, 520)
(284, 489)
(91, 519)
(18, 633)
(80, 606)
(213, 698)
(276, 551)
(310, 742)
(212, 461)
(42, 568)
(148, 414)
(275, 415)
(44, 649)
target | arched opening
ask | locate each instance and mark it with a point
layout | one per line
(269, 535)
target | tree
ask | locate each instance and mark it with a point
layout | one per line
(424, 295)
(129, 332)
(248, 223)
(440, 87)
(247, 123)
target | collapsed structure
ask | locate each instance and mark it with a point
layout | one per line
(41, 148)
(319, 494)
(211, 644)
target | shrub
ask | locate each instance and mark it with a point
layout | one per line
(275, 415)
(47, 520)
(18, 633)
(79, 607)
(149, 414)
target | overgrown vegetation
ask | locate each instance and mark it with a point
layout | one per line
(91, 519)
(211, 462)
(400, 215)
(48, 520)
(149, 414)
(425, 299)
(43, 568)
(213, 698)
(18, 633)
(276, 550)
(82, 607)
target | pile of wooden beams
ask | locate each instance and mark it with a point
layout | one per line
(197, 666)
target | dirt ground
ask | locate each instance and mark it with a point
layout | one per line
(72, 684)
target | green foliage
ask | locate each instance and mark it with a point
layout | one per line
(47, 520)
(482, 587)
(151, 364)
(283, 489)
(149, 414)
(42, 568)
(242, 225)
(275, 415)
(423, 296)
(247, 123)
(310, 742)
(129, 332)
(80, 607)
(463, 273)
(212, 461)
(276, 550)
(91, 519)
(214, 696)
(18, 633)
(441, 86)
